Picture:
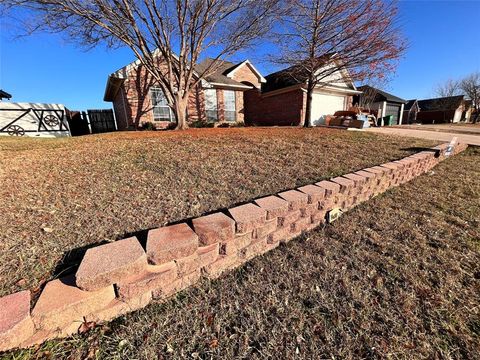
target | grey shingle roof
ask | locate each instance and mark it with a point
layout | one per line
(443, 103)
(224, 67)
(382, 95)
(4, 95)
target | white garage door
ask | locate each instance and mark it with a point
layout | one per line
(323, 105)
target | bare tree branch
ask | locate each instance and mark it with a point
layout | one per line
(322, 38)
(168, 37)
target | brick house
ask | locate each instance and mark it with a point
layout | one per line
(450, 109)
(282, 98)
(218, 99)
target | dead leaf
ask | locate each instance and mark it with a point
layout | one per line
(213, 343)
(86, 326)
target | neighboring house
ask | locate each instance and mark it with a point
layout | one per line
(382, 103)
(282, 98)
(4, 95)
(451, 109)
(33, 119)
(410, 112)
(219, 97)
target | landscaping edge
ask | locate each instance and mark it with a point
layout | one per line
(120, 277)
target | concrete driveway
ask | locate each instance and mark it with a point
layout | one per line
(472, 138)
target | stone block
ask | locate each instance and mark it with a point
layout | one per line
(118, 307)
(107, 264)
(178, 285)
(171, 242)
(346, 185)
(187, 264)
(208, 254)
(269, 227)
(310, 209)
(296, 199)
(256, 248)
(16, 325)
(315, 193)
(63, 304)
(152, 279)
(278, 235)
(239, 241)
(248, 217)
(331, 188)
(357, 179)
(370, 177)
(274, 206)
(223, 263)
(301, 224)
(289, 218)
(214, 228)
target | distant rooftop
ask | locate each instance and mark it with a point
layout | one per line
(381, 95)
(442, 103)
(5, 95)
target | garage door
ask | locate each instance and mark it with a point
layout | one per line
(323, 105)
(394, 110)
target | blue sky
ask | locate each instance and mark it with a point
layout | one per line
(45, 68)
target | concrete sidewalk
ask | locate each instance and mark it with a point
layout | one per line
(428, 135)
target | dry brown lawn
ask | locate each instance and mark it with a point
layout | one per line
(59, 195)
(397, 277)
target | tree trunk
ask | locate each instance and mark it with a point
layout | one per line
(307, 121)
(181, 114)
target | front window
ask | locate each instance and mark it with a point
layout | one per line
(230, 110)
(161, 110)
(211, 104)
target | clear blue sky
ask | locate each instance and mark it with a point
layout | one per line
(444, 42)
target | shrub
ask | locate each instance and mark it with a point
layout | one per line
(201, 124)
(149, 126)
(171, 126)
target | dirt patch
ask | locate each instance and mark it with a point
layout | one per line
(66, 194)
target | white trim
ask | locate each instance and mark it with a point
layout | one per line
(339, 90)
(400, 121)
(231, 73)
(231, 85)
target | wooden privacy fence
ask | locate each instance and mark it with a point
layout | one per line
(92, 122)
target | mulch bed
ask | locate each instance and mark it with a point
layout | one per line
(61, 195)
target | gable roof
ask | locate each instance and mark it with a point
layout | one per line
(5, 95)
(220, 77)
(381, 95)
(442, 103)
(285, 78)
(230, 72)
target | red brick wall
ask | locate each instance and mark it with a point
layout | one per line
(246, 74)
(119, 107)
(283, 109)
(137, 109)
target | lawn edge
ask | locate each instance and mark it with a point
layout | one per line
(121, 277)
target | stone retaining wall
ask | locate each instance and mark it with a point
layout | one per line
(120, 277)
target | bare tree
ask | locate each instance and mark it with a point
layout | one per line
(168, 37)
(448, 88)
(471, 87)
(325, 38)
